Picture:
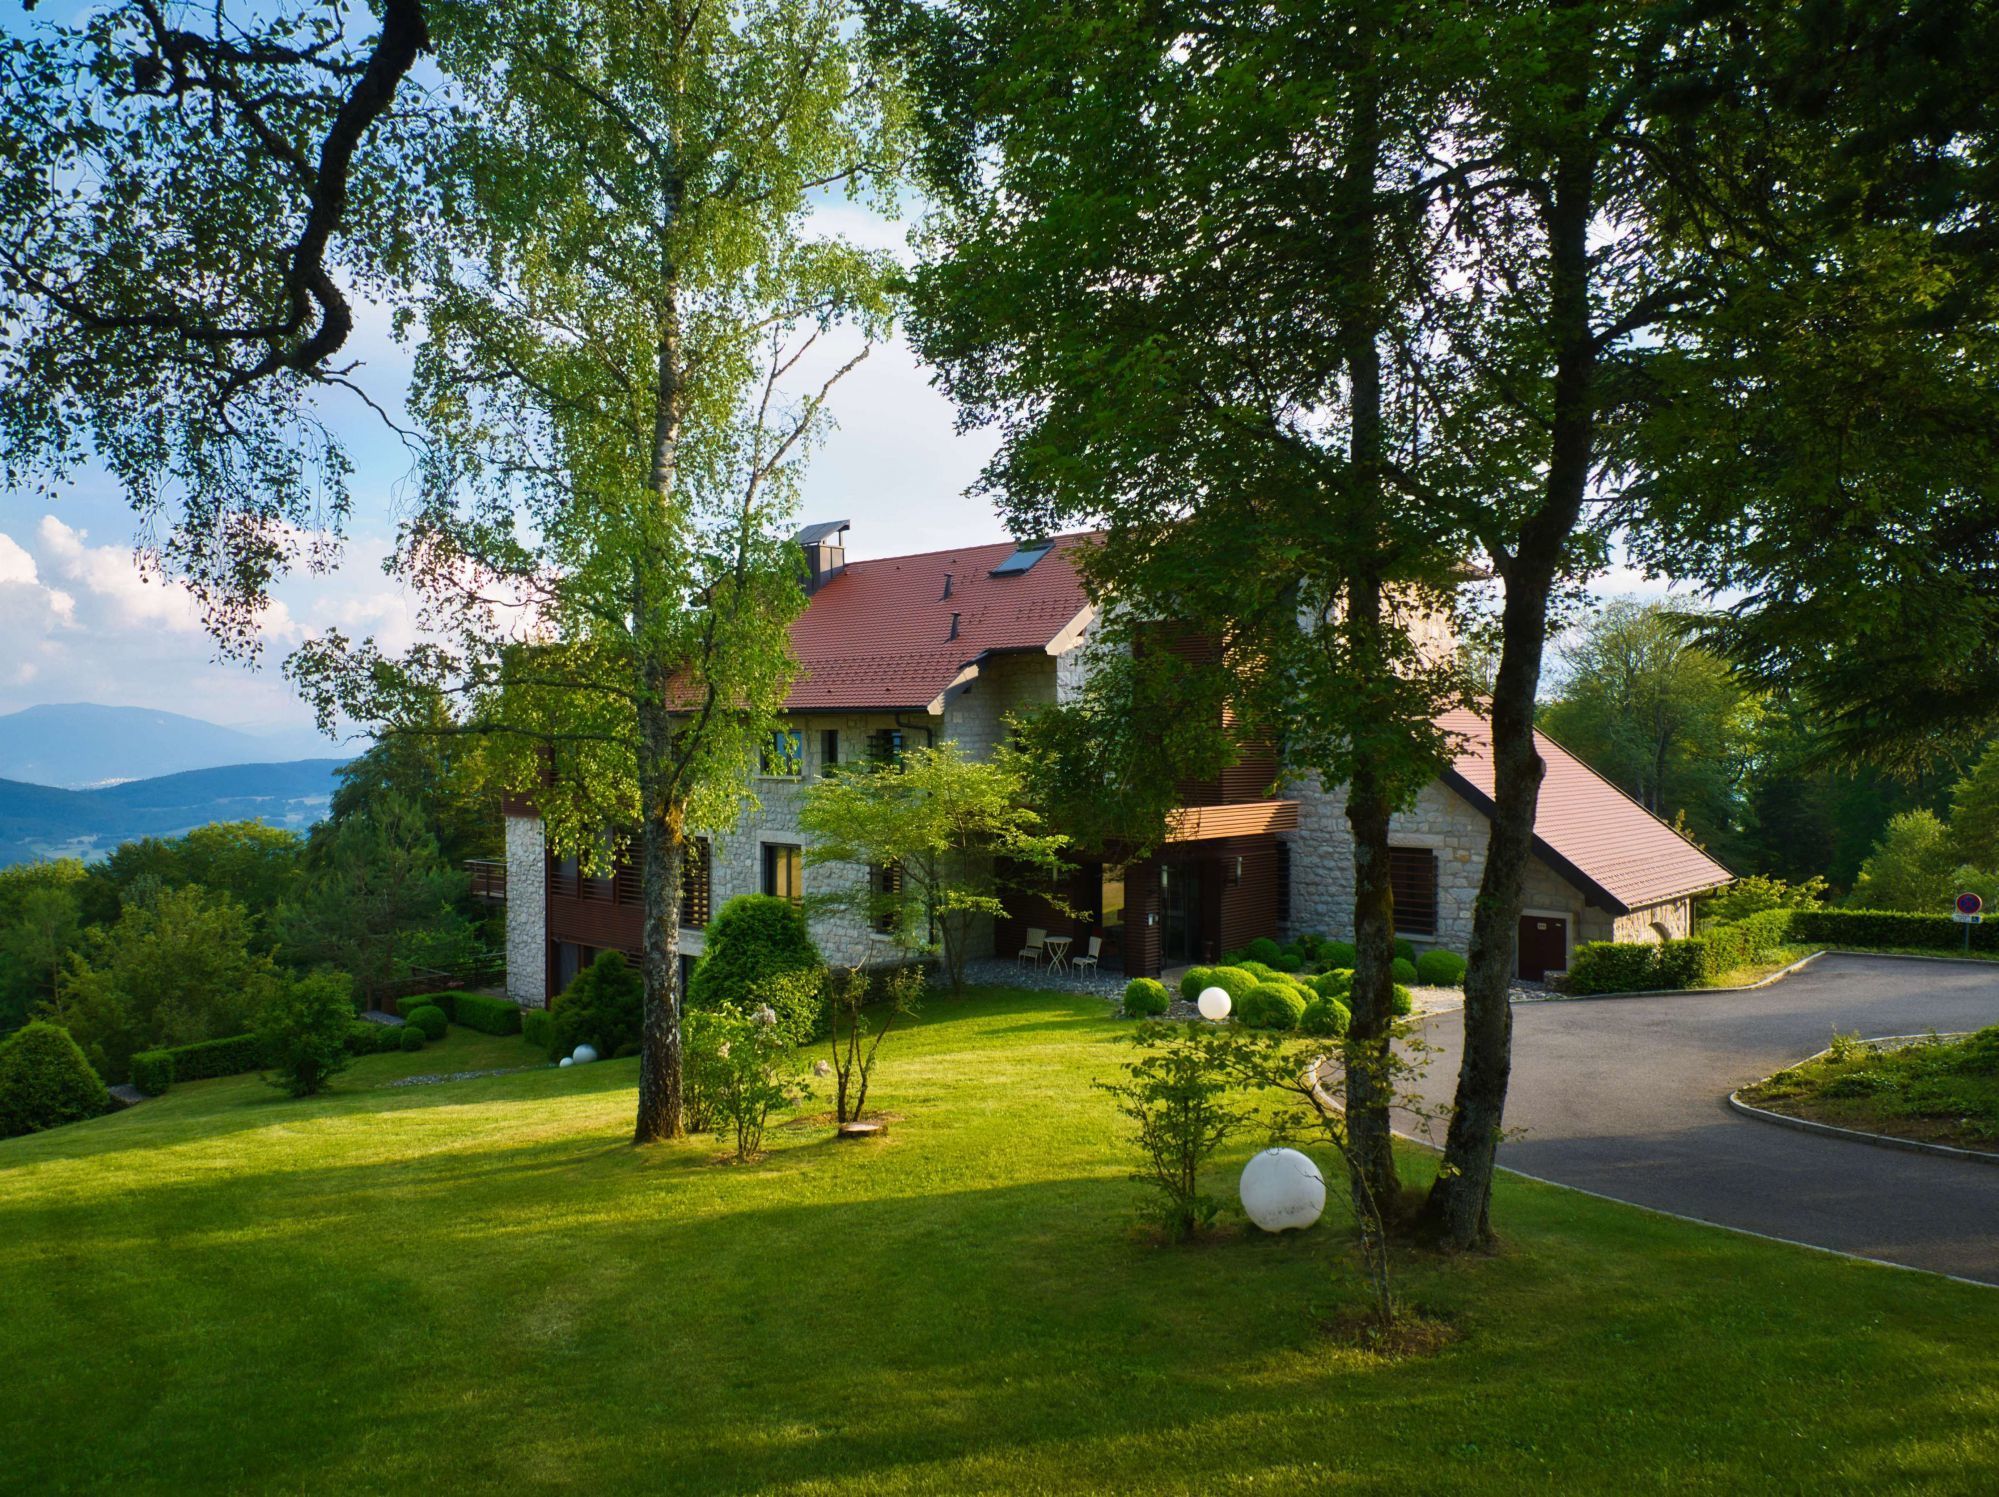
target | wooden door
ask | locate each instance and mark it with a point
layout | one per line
(1543, 946)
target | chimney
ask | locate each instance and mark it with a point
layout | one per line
(825, 552)
(947, 588)
(954, 626)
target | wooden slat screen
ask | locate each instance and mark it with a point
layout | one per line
(1412, 874)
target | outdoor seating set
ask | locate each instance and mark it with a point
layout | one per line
(1055, 949)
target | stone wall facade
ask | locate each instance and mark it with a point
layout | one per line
(527, 911)
(1322, 873)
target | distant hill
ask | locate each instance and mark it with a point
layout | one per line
(44, 821)
(76, 745)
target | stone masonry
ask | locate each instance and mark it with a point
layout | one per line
(527, 910)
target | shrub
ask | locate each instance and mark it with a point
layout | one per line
(1440, 969)
(364, 1038)
(751, 1071)
(538, 1029)
(1289, 961)
(303, 1030)
(153, 1072)
(412, 1037)
(1273, 1005)
(236, 1056)
(446, 1001)
(1405, 950)
(1326, 1018)
(487, 1015)
(602, 1007)
(1401, 1000)
(1235, 981)
(1337, 954)
(1177, 1093)
(1196, 980)
(1335, 984)
(1264, 950)
(46, 1082)
(1144, 998)
(1402, 970)
(429, 1018)
(759, 951)
(1261, 971)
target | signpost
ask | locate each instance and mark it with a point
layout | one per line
(1968, 907)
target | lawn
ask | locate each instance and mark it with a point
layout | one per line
(481, 1285)
(1937, 1091)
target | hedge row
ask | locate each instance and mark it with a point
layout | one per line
(1889, 928)
(1694, 962)
(487, 1015)
(446, 1001)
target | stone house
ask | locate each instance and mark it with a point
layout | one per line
(941, 646)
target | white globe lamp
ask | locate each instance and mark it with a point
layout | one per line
(1282, 1190)
(1213, 1004)
(583, 1054)
(567, 1060)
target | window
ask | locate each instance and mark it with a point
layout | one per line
(696, 871)
(1110, 898)
(1284, 883)
(885, 883)
(784, 871)
(829, 749)
(784, 756)
(1412, 874)
(885, 745)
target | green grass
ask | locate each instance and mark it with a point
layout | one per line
(1941, 1092)
(481, 1285)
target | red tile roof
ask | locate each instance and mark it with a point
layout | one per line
(878, 636)
(1585, 828)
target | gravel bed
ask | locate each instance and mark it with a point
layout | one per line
(434, 1079)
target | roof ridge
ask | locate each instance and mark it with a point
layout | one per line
(1053, 540)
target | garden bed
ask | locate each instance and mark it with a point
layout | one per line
(1932, 1089)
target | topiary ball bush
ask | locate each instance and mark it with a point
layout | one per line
(1335, 984)
(1289, 961)
(760, 951)
(1237, 982)
(1337, 954)
(153, 1072)
(1405, 950)
(1402, 1000)
(1144, 998)
(412, 1037)
(429, 1018)
(1326, 1018)
(1402, 969)
(1261, 971)
(1440, 969)
(1264, 950)
(1194, 981)
(46, 1082)
(601, 1007)
(1273, 1005)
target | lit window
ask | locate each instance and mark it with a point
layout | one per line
(784, 871)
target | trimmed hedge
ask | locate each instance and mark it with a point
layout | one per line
(1335, 984)
(153, 1072)
(1237, 982)
(1402, 970)
(1273, 1005)
(1144, 997)
(364, 1038)
(1696, 961)
(446, 1001)
(236, 1056)
(1401, 1000)
(538, 1029)
(1405, 950)
(412, 1038)
(1440, 969)
(429, 1018)
(1334, 955)
(1264, 950)
(487, 1015)
(1888, 928)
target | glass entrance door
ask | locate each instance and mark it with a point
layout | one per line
(1179, 913)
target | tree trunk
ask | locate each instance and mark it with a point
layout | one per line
(660, 847)
(1458, 1211)
(1371, 1150)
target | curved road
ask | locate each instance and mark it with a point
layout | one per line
(1628, 1097)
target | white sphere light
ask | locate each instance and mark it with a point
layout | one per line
(1282, 1190)
(567, 1060)
(1214, 1004)
(583, 1054)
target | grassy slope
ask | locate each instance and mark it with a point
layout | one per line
(1945, 1092)
(454, 1287)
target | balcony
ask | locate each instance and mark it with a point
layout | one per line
(489, 879)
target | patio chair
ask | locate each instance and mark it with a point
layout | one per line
(1036, 947)
(1078, 963)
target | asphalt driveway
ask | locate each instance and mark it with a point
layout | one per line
(1628, 1097)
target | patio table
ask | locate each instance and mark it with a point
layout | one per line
(1058, 952)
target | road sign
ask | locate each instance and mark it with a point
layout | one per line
(1969, 904)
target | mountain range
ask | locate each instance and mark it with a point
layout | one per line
(79, 745)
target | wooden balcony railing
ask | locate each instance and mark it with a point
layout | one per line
(489, 879)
